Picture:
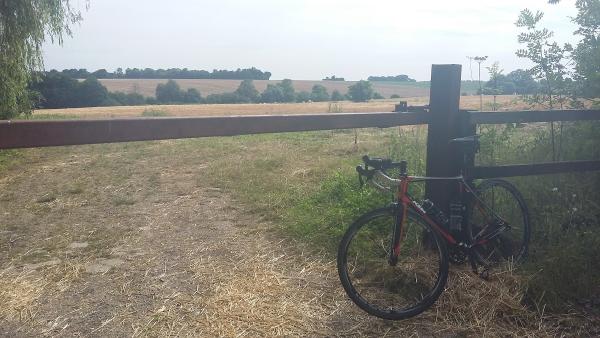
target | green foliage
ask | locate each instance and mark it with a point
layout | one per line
(337, 96)
(361, 91)
(247, 91)
(125, 99)
(319, 93)
(396, 78)
(548, 60)
(324, 216)
(303, 96)
(377, 96)
(287, 90)
(170, 92)
(24, 26)
(154, 113)
(281, 92)
(225, 98)
(272, 93)
(587, 52)
(395, 96)
(91, 93)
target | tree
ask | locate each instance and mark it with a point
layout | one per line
(319, 93)
(247, 91)
(169, 92)
(273, 93)
(56, 90)
(192, 95)
(303, 96)
(287, 89)
(337, 96)
(24, 26)
(587, 52)
(547, 57)
(91, 93)
(523, 82)
(361, 91)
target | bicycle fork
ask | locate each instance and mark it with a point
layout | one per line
(401, 212)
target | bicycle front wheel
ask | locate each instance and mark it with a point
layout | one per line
(386, 290)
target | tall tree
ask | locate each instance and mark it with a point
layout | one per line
(24, 26)
(361, 91)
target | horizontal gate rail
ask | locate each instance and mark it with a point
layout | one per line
(533, 116)
(534, 169)
(28, 134)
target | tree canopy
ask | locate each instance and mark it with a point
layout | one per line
(24, 26)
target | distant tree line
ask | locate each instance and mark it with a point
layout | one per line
(333, 78)
(516, 82)
(171, 73)
(396, 78)
(57, 90)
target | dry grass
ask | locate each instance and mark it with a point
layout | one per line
(467, 102)
(186, 259)
(147, 87)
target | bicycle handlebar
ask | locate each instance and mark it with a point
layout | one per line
(379, 165)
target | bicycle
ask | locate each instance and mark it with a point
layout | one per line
(393, 261)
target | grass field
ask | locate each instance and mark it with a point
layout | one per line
(147, 87)
(235, 236)
(467, 102)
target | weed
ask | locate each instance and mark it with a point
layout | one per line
(153, 112)
(46, 198)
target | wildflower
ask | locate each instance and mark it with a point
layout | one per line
(555, 189)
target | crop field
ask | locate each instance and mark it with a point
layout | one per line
(467, 102)
(147, 87)
(235, 236)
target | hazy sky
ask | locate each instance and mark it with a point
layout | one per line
(302, 39)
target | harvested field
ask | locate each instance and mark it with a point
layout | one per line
(467, 102)
(147, 87)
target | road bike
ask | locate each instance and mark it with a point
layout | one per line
(393, 262)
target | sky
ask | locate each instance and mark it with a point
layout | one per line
(302, 39)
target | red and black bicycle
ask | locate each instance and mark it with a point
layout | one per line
(393, 261)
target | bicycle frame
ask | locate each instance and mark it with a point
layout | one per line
(406, 202)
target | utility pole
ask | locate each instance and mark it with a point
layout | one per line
(479, 60)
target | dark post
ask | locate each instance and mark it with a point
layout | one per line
(446, 123)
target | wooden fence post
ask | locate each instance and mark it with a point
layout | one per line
(446, 122)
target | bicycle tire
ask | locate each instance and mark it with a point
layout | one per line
(409, 244)
(512, 245)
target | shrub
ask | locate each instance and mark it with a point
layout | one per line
(377, 96)
(169, 92)
(395, 96)
(361, 91)
(303, 96)
(337, 96)
(319, 93)
(247, 91)
(154, 113)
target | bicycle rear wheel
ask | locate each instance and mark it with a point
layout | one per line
(502, 200)
(401, 291)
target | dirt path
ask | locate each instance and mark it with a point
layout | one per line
(101, 241)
